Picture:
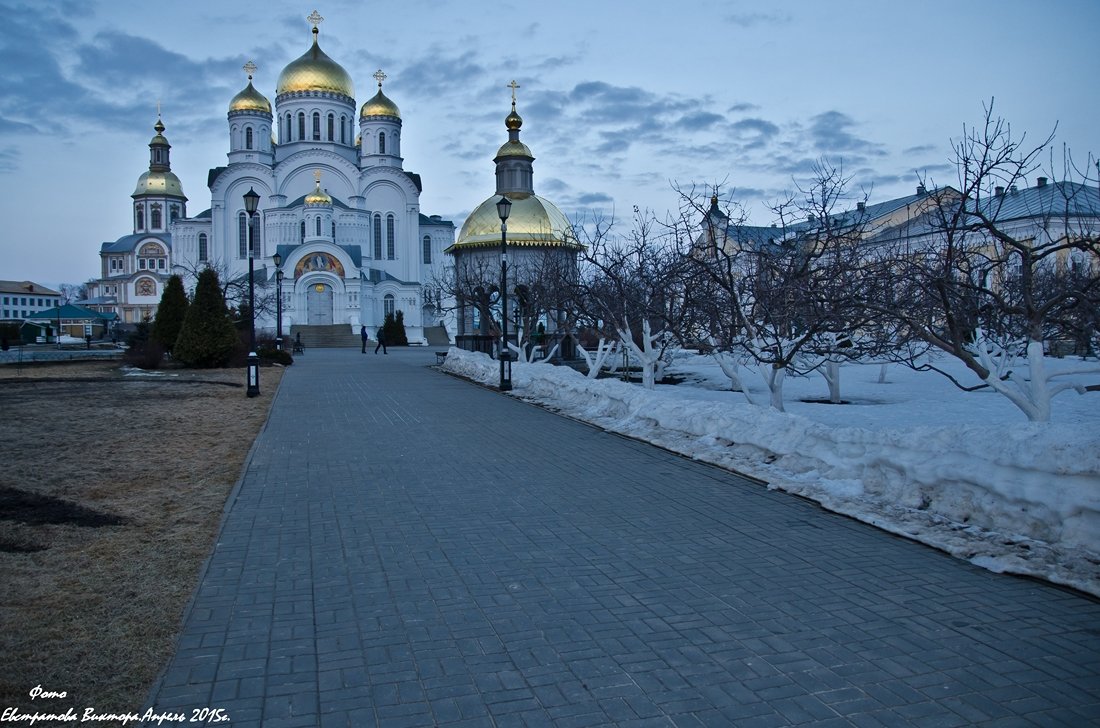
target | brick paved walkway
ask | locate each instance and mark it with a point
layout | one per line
(408, 549)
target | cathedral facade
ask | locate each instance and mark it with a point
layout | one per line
(335, 204)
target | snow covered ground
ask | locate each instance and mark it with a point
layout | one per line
(964, 472)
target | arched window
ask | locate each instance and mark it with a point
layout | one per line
(203, 251)
(343, 130)
(427, 248)
(377, 236)
(140, 218)
(316, 127)
(381, 142)
(390, 237)
(174, 212)
(301, 126)
(248, 137)
(242, 235)
(303, 231)
(154, 216)
(318, 226)
(331, 125)
(388, 307)
(287, 128)
(334, 230)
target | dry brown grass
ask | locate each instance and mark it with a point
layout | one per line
(96, 611)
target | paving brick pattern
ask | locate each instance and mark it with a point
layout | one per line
(409, 549)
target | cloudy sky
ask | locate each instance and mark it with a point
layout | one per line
(620, 100)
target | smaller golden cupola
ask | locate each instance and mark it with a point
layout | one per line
(379, 104)
(250, 99)
(319, 197)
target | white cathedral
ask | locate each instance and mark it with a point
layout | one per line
(336, 204)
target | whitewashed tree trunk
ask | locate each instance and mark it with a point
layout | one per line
(773, 377)
(1030, 392)
(831, 372)
(605, 351)
(647, 355)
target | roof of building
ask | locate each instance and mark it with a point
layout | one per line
(126, 243)
(435, 220)
(1057, 198)
(70, 311)
(24, 287)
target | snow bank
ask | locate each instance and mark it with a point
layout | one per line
(1018, 498)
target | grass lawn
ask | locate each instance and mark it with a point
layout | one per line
(111, 492)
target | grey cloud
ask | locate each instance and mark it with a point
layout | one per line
(750, 20)
(594, 198)
(740, 107)
(920, 149)
(698, 120)
(830, 132)
(9, 159)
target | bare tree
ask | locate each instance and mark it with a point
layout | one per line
(786, 297)
(634, 289)
(999, 269)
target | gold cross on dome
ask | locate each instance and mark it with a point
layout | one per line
(380, 77)
(158, 108)
(317, 176)
(315, 19)
(513, 86)
(249, 68)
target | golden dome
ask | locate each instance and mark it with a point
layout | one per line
(250, 100)
(514, 149)
(513, 120)
(380, 105)
(315, 71)
(533, 222)
(159, 183)
(318, 198)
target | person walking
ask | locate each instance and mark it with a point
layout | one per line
(363, 334)
(381, 342)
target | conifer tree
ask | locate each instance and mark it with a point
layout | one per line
(170, 314)
(207, 337)
(393, 328)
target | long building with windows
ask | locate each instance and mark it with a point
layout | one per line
(335, 203)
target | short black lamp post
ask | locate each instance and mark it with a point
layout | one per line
(251, 202)
(278, 261)
(504, 207)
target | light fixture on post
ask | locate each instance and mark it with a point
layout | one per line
(278, 261)
(504, 207)
(251, 202)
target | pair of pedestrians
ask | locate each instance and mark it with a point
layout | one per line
(381, 340)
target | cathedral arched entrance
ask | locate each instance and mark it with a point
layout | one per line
(319, 301)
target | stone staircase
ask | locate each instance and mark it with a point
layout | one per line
(337, 336)
(437, 336)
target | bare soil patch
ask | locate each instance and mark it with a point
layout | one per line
(111, 490)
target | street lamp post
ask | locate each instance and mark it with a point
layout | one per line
(251, 202)
(278, 260)
(504, 207)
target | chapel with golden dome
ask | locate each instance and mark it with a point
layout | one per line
(539, 236)
(336, 206)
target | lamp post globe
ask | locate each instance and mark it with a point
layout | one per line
(251, 202)
(504, 208)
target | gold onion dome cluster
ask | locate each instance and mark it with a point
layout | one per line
(250, 100)
(315, 71)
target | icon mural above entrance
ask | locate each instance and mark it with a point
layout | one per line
(319, 262)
